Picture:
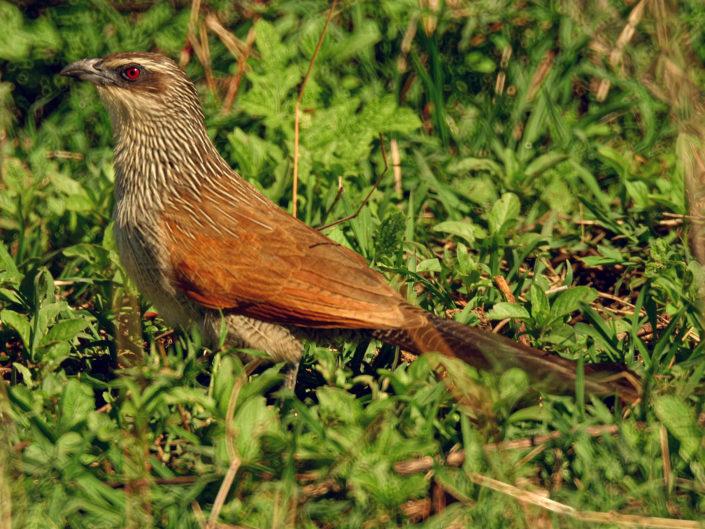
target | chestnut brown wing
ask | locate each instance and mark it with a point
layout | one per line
(238, 252)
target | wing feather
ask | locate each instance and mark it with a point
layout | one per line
(262, 262)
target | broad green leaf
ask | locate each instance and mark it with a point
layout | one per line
(639, 192)
(10, 295)
(513, 383)
(459, 228)
(338, 404)
(591, 183)
(76, 402)
(253, 419)
(225, 372)
(539, 304)
(19, 323)
(503, 310)
(466, 264)
(544, 162)
(184, 394)
(531, 413)
(569, 300)
(76, 197)
(559, 333)
(8, 269)
(535, 126)
(679, 418)
(599, 260)
(56, 353)
(27, 379)
(92, 253)
(475, 164)
(67, 445)
(611, 154)
(429, 265)
(66, 330)
(504, 214)
(45, 317)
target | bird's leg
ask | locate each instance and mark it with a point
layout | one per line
(290, 372)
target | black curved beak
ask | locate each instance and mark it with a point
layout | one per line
(88, 70)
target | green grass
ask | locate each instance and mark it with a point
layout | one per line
(110, 420)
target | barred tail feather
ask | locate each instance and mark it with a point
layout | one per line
(493, 352)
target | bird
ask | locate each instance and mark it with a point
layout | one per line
(205, 246)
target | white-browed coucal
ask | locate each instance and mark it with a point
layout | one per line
(202, 243)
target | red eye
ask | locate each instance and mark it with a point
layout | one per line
(132, 73)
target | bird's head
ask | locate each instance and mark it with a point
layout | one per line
(134, 86)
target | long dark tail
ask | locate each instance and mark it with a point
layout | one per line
(493, 352)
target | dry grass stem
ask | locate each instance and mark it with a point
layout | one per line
(662, 320)
(615, 56)
(502, 75)
(417, 510)
(615, 518)
(295, 191)
(235, 80)
(540, 74)
(425, 464)
(409, 34)
(438, 496)
(223, 492)
(396, 167)
(190, 33)
(203, 52)
(230, 434)
(429, 20)
(341, 190)
(367, 198)
(198, 513)
(234, 45)
(665, 458)
(65, 155)
(504, 288)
